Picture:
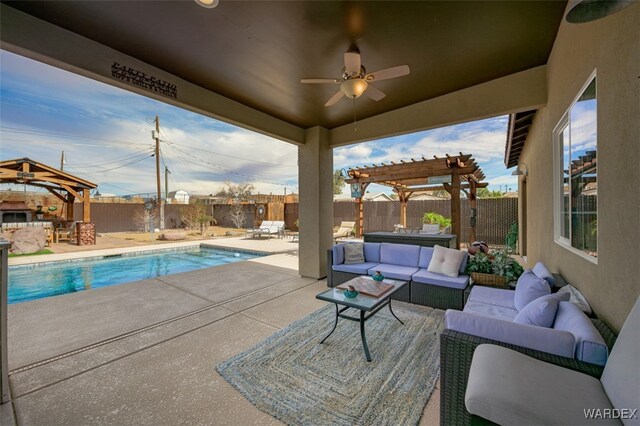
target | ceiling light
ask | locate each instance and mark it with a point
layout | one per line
(354, 87)
(590, 10)
(209, 4)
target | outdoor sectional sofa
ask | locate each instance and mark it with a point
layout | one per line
(403, 262)
(573, 340)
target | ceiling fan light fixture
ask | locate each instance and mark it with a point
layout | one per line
(209, 4)
(354, 88)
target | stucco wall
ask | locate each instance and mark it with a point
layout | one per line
(612, 47)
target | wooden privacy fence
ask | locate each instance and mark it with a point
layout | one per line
(119, 217)
(495, 215)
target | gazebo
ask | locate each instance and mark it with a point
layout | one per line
(407, 178)
(64, 186)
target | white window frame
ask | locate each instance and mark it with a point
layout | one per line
(558, 182)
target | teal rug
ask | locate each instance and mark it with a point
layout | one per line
(291, 376)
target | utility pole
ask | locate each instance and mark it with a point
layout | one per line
(160, 202)
(166, 182)
(62, 161)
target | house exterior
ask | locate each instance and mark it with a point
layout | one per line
(380, 196)
(179, 197)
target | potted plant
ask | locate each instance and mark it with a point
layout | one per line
(496, 268)
(434, 223)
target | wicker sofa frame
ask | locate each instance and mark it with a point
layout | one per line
(435, 296)
(456, 353)
(335, 278)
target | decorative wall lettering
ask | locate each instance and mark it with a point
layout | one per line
(141, 79)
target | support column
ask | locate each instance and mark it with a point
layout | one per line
(315, 175)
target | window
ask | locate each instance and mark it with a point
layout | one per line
(576, 172)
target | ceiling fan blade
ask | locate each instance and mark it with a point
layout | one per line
(374, 93)
(388, 73)
(320, 80)
(352, 62)
(335, 98)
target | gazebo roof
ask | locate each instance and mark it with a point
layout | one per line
(31, 172)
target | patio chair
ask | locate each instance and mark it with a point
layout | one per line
(66, 232)
(344, 230)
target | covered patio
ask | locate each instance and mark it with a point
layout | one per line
(468, 61)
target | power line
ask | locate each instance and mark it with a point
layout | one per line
(232, 156)
(119, 159)
(24, 131)
(89, 176)
(140, 158)
(229, 171)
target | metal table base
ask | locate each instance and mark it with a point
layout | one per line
(362, 319)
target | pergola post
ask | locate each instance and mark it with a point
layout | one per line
(473, 206)
(360, 211)
(69, 205)
(455, 206)
(86, 205)
(403, 197)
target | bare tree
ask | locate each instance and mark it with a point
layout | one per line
(144, 219)
(195, 216)
(237, 215)
(236, 191)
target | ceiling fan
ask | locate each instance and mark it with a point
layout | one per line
(355, 81)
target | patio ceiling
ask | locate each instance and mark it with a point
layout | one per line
(256, 52)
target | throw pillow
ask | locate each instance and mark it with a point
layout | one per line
(540, 312)
(576, 298)
(446, 261)
(353, 253)
(541, 271)
(529, 288)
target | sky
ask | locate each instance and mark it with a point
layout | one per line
(105, 133)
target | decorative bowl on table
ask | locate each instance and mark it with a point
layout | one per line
(378, 276)
(351, 292)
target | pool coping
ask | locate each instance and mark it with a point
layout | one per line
(135, 250)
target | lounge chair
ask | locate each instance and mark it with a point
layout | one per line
(259, 230)
(267, 227)
(344, 230)
(276, 228)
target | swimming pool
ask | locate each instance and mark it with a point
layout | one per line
(30, 282)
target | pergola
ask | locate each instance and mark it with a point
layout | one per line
(64, 186)
(413, 177)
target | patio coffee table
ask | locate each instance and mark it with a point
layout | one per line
(367, 305)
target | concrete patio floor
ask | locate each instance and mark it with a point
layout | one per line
(145, 352)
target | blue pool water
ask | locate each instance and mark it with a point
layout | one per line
(36, 281)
